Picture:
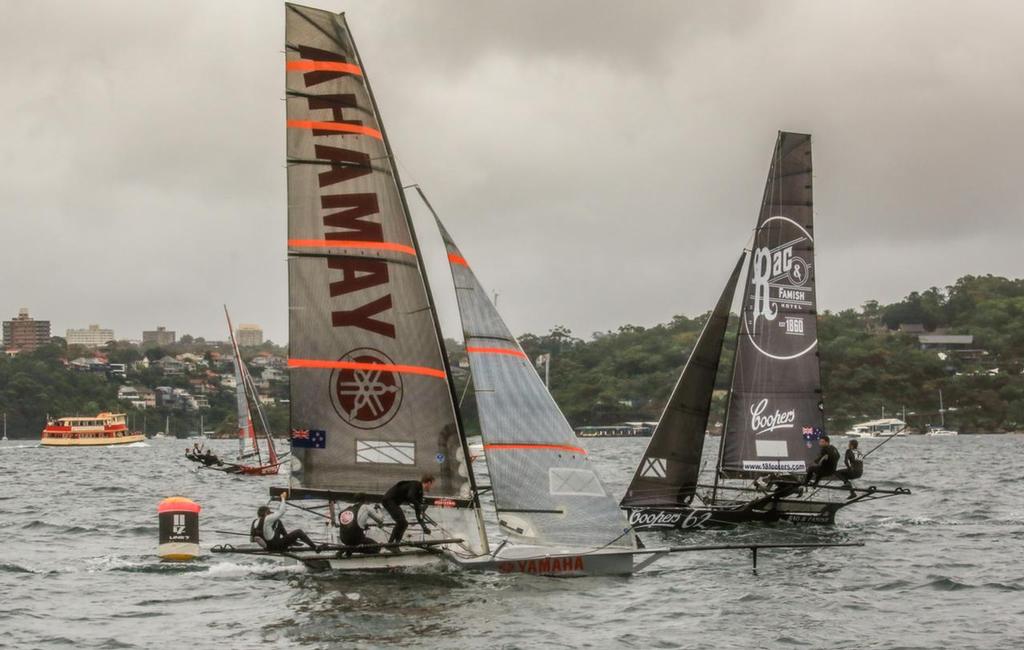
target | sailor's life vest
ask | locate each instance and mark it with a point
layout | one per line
(348, 524)
(256, 531)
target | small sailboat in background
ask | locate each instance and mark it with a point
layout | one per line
(775, 414)
(941, 430)
(252, 459)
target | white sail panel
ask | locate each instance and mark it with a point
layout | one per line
(546, 489)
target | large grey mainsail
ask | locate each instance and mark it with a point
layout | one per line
(371, 399)
(775, 408)
(546, 490)
(667, 473)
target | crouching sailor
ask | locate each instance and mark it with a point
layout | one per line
(825, 464)
(268, 531)
(353, 522)
(854, 467)
(411, 493)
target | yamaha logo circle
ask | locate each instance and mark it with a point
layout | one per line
(779, 313)
(364, 396)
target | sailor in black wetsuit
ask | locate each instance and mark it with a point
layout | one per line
(268, 531)
(825, 464)
(353, 522)
(411, 493)
(854, 461)
(210, 458)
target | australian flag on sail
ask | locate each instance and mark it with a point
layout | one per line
(309, 438)
(811, 434)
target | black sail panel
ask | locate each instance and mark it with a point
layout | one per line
(667, 473)
(775, 410)
(371, 402)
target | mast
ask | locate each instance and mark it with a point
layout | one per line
(245, 428)
(453, 393)
(942, 412)
(728, 403)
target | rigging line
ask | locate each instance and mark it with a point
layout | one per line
(629, 529)
(887, 439)
(310, 510)
(449, 534)
(465, 390)
(247, 378)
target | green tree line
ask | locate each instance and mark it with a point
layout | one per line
(867, 365)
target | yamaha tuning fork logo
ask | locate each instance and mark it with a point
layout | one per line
(781, 298)
(366, 397)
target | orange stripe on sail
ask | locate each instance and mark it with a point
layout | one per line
(511, 353)
(577, 450)
(355, 365)
(457, 259)
(309, 65)
(344, 243)
(335, 126)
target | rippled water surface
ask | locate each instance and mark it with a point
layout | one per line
(941, 568)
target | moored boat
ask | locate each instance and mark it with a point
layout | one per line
(79, 431)
(941, 430)
(621, 430)
(878, 428)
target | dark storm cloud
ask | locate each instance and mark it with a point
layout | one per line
(598, 163)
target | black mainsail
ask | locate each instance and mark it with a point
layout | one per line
(775, 405)
(371, 397)
(667, 473)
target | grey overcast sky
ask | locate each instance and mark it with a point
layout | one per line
(599, 163)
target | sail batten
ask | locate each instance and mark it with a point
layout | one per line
(775, 413)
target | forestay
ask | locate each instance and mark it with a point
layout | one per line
(667, 474)
(371, 400)
(546, 490)
(775, 409)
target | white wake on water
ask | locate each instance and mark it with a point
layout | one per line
(236, 570)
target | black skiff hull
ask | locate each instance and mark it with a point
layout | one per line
(702, 516)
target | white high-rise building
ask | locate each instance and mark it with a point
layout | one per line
(93, 336)
(249, 336)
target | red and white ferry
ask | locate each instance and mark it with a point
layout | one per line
(104, 429)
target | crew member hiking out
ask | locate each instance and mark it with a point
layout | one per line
(825, 464)
(210, 458)
(353, 522)
(268, 531)
(410, 493)
(854, 461)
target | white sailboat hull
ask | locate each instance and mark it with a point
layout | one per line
(546, 561)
